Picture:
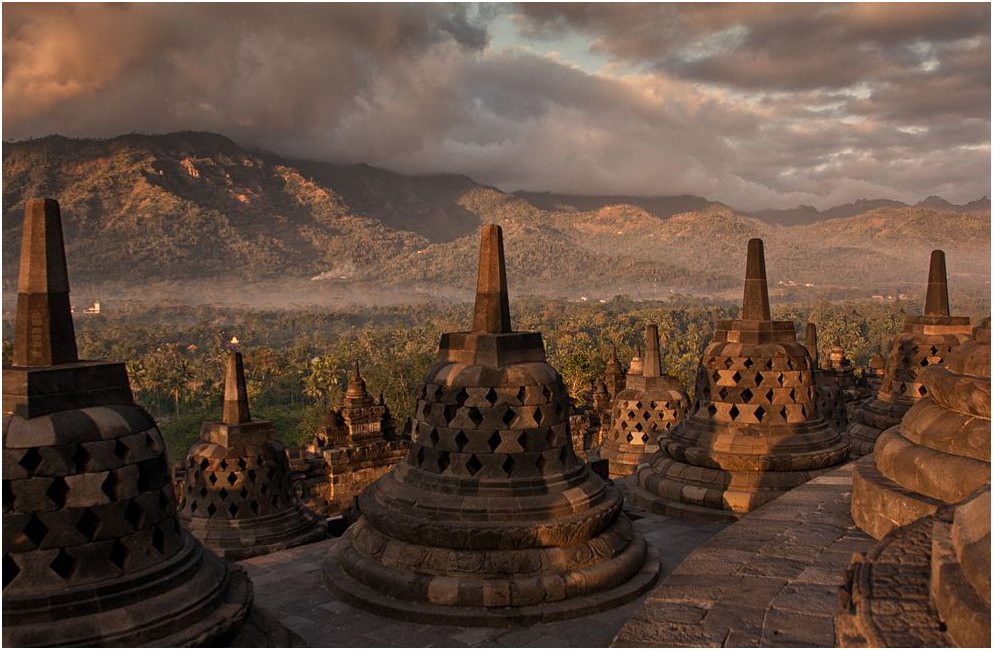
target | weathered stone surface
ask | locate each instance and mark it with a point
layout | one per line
(754, 430)
(490, 519)
(939, 452)
(643, 413)
(925, 341)
(237, 497)
(769, 579)
(93, 550)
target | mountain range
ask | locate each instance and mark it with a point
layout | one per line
(197, 209)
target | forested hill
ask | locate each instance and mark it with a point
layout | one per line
(196, 207)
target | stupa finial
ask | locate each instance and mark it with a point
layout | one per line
(755, 305)
(652, 362)
(810, 342)
(235, 391)
(492, 313)
(356, 385)
(43, 330)
(936, 300)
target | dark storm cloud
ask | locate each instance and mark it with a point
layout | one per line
(753, 105)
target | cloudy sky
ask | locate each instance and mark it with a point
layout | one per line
(753, 105)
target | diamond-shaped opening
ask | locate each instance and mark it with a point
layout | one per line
(638, 427)
(443, 461)
(158, 538)
(522, 440)
(475, 416)
(491, 396)
(211, 509)
(88, 524)
(646, 416)
(438, 392)
(270, 473)
(251, 475)
(924, 362)
(734, 412)
(242, 463)
(461, 440)
(759, 413)
(223, 464)
(426, 410)
(264, 489)
(748, 363)
(119, 554)
(630, 437)
(769, 394)
(728, 362)
(780, 379)
(494, 441)
(8, 495)
(193, 506)
(547, 392)
(434, 437)
(420, 457)
(746, 395)
(133, 513)
(551, 438)
(789, 363)
(63, 564)
(212, 478)
(233, 509)
(232, 478)
(10, 569)
(540, 463)
(450, 412)
(223, 494)
(243, 493)
(736, 377)
(508, 466)
(58, 491)
(203, 491)
(30, 460)
(473, 465)
(712, 410)
(35, 530)
(922, 390)
(758, 378)
(80, 458)
(120, 449)
(204, 464)
(723, 393)
(768, 364)
(716, 376)
(461, 397)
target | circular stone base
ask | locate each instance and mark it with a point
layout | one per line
(879, 505)
(355, 593)
(661, 506)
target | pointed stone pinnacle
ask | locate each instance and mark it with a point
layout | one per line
(492, 313)
(755, 305)
(43, 330)
(652, 366)
(936, 301)
(235, 391)
(613, 354)
(356, 385)
(810, 342)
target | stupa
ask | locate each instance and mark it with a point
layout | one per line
(754, 431)
(829, 397)
(586, 424)
(925, 341)
(614, 376)
(872, 374)
(939, 453)
(643, 413)
(490, 519)
(359, 442)
(238, 499)
(93, 553)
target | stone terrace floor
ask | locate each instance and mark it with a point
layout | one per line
(770, 579)
(288, 586)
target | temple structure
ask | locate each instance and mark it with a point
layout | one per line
(643, 412)
(872, 375)
(586, 424)
(359, 442)
(754, 431)
(925, 341)
(491, 519)
(830, 399)
(237, 498)
(93, 553)
(939, 453)
(614, 376)
(925, 493)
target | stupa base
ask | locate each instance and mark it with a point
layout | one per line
(360, 595)
(659, 505)
(196, 601)
(240, 539)
(870, 419)
(879, 504)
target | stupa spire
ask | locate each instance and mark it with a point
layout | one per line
(356, 385)
(810, 342)
(755, 305)
(492, 313)
(235, 391)
(43, 330)
(936, 301)
(652, 361)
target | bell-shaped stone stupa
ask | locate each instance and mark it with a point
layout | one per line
(830, 399)
(642, 413)
(490, 519)
(754, 431)
(238, 500)
(925, 341)
(93, 553)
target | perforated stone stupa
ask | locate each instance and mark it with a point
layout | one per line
(939, 453)
(490, 519)
(754, 431)
(237, 499)
(93, 553)
(648, 407)
(359, 443)
(829, 396)
(925, 341)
